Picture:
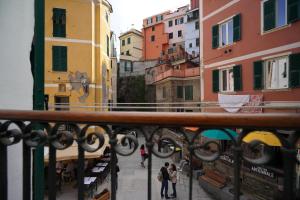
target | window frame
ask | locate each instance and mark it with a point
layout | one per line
(265, 73)
(123, 42)
(171, 35)
(170, 23)
(179, 31)
(128, 40)
(228, 88)
(152, 38)
(276, 15)
(197, 25)
(227, 33)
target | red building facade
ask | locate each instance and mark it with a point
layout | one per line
(155, 39)
(194, 4)
(250, 47)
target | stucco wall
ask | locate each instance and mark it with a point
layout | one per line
(16, 84)
(190, 36)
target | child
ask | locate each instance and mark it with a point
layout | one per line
(144, 155)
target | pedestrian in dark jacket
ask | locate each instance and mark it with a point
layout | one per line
(164, 182)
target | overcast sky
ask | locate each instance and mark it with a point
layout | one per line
(130, 13)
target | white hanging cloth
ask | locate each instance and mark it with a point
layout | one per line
(232, 103)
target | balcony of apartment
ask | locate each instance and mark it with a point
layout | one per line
(178, 73)
(164, 134)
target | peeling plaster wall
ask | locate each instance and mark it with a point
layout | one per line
(16, 84)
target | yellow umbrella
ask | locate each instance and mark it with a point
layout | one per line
(264, 136)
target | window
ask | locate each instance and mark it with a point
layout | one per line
(107, 45)
(227, 80)
(149, 20)
(227, 32)
(179, 33)
(128, 66)
(274, 14)
(123, 42)
(170, 23)
(170, 35)
(59, 58)
(159, 18)
(127, 53)
(276, 73)
(59, 22)
(197, 42)
(197, 25)
(181, 20)
(179, 92)
(176, 21)
(164, 92)
(188, 92)
(61, 100)
(152, 38)
(153, 28)
(128, 40)
(122, 53)
(191, 45)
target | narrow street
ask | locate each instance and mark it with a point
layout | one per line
(133, 180)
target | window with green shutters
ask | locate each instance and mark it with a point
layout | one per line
(277, 13)
(227, 32)
(294, 62)
(188, 92)
(215, 80)
(258, 75)
(293, 10)
(59, 58)
(180, 91)
(59, 22)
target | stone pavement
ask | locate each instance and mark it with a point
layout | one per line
(133, 180)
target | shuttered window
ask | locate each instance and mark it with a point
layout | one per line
(258, 75)
(237, 75)
(293, 10)
(59, 58)
(59, 22)
(269, 15)
(294, 62)
(215, 80)
(188, 92)
(215, 36)
(179, 92)
(237, 28)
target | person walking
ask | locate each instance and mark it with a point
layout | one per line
(144, 154)
(173, 178)
(164, 182)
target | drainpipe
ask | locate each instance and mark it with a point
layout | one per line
(38, 95)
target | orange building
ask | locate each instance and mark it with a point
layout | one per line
(250, 48)
(155, 39)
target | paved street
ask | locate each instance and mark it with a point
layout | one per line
(133, 180)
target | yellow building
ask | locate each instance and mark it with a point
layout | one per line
(77, 48)
(131, 45)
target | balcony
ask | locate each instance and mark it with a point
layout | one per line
(21, 126)
(184, 73)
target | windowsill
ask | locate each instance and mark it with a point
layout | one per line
(276, 29)
(61, 72)
(277, 90)
(225, 46)
(227, 92)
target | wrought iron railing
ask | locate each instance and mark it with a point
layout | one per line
(40, 128)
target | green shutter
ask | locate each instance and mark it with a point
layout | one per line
(188, 94)
(294, 70)
(237, 77)
(293, 10)
(59, 58)
(179, 92)
(215, 80)
(131, 66)
(269, 14)
(59, 22)
(215, 36)
(258, 75)
(237, 28)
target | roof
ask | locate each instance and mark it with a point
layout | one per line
(135, 31)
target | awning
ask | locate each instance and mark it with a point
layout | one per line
(219, 134)
(264, 136)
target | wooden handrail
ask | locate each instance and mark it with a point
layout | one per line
(266, 120)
